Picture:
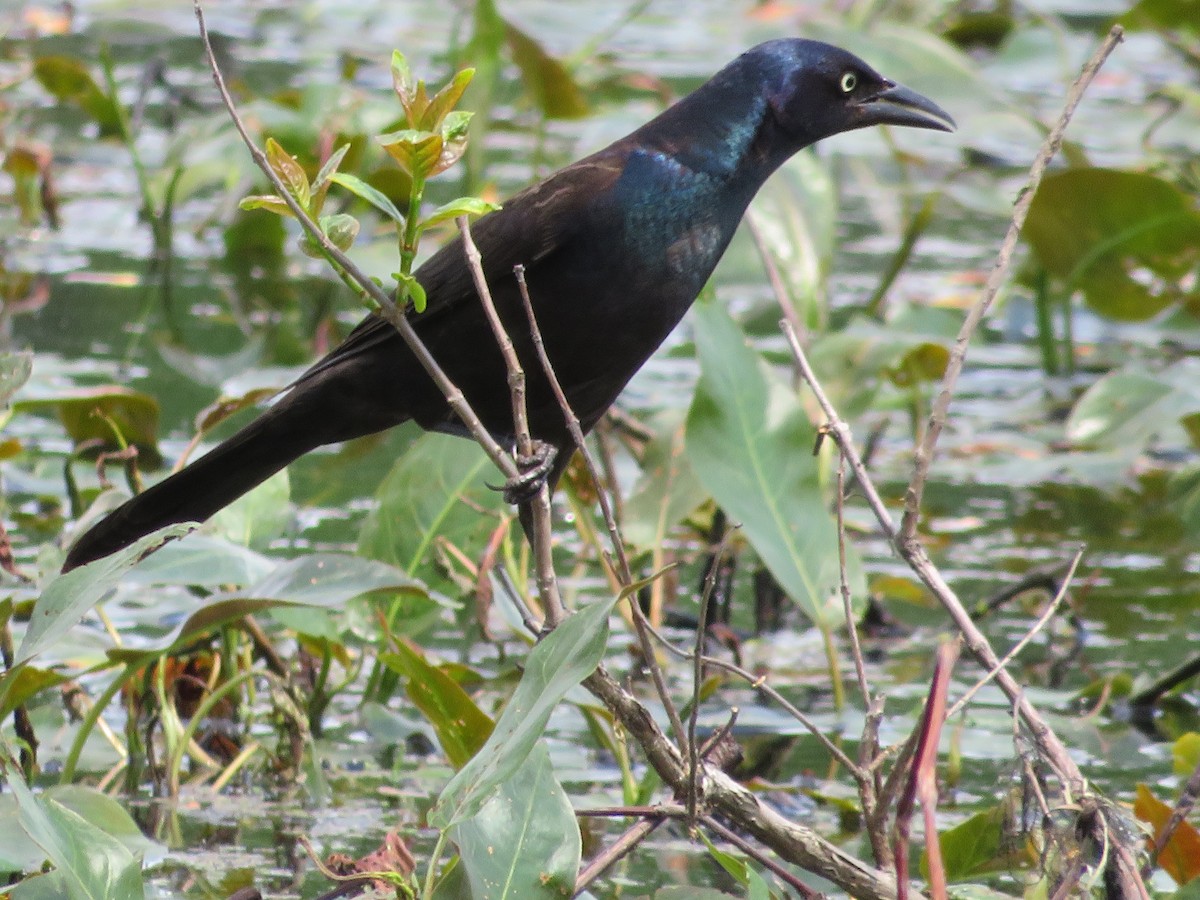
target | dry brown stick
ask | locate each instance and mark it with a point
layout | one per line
(759, 683)
(723, 796)
(543, 552)
(1020, 645)
(923, 456)
(761, 858)
(619, 848)
(860, 667)
(641, 626)
(387, 307)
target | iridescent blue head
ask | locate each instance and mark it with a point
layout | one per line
(815, 90)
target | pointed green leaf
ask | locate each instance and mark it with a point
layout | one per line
(463, 206)
(524, 842)
(290, 172)
(269, 202)
(461, 726)
(556, 665)
(445, 100)
(376, 198)
(67, 597)
(750, 444)
(320, 187)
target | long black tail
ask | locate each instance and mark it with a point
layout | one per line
(332, 402)
(193, 494)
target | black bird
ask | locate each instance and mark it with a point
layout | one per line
(616, 247)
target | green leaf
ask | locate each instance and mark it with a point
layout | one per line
(1126, 409)
(445, 100)
(556, 665)
(69, 80)
(67, 597)
(436, 491)
(740, 870)
(15, 369)
(463, 206)
(417, 152)
(1129, 240)
(454, 140)
(258, 517)
(341, 229)
(461, 726)
(92, 863)
(750, 444)
(290, 172)
(667, 490)
(364, 191)
(269, 202)
(325, 175)
(551, 84)
(978, 846)
(524, 842)
(411, 290)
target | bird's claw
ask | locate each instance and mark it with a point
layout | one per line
(535, 468)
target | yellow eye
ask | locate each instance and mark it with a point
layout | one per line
(849, 82)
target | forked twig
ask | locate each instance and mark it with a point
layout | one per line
(539, 507)
(641, 626)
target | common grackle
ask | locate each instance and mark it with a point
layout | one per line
(616, 247)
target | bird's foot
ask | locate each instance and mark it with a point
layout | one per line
(535, 469)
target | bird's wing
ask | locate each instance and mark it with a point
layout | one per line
(529, 228)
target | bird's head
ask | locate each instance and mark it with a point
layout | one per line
(819, 90)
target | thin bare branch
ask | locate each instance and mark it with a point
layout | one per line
(923, 456)
(1041, 623)
(539, 506)
(618, 545)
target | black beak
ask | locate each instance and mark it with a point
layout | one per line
(897, 105)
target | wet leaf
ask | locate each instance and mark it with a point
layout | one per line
(1129, 240)
(67, 597)
(89, 860)
(556, 665)
(461, 726)
(524, 842)
(750, 444)
(1181, 857)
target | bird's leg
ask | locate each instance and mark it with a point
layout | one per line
(535, 469)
